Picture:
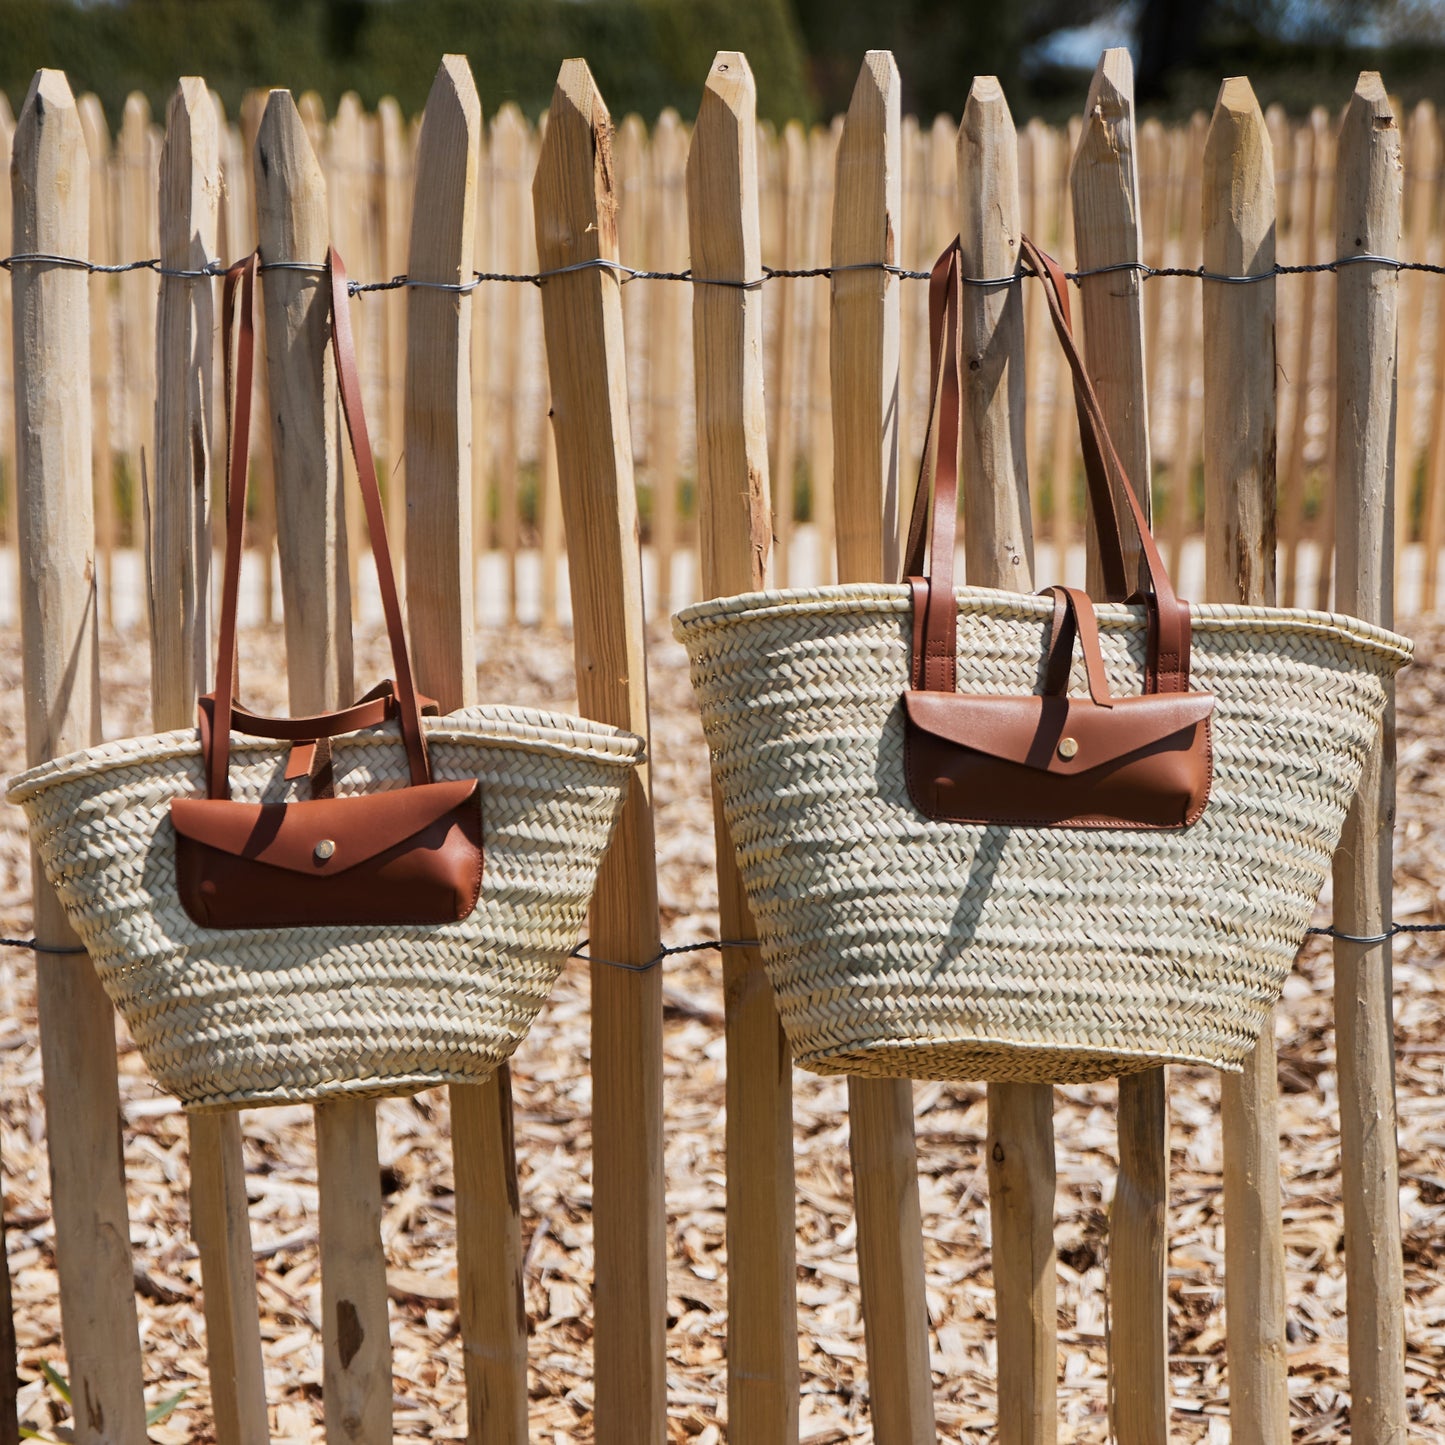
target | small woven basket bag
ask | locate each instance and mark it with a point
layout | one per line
(371, 902)
(971, 855)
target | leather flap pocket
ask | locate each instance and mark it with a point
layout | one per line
(1065, 736)
(322, 837)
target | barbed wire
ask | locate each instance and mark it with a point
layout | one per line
(580, 952)
(628, 274)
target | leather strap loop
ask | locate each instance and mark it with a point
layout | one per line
(1074, 617)
(407, 707)
(933, 527)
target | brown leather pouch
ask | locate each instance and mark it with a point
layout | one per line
(1047, 760)
(407, 856)
(411, 856)
(1059, 761)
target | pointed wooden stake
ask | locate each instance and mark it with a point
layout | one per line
(864, 348)
(51, 188)
(733, 525)
(1104, 182)
(576, 213)
(441, 611)
(311, 535)
(180, 617)
(1238, 218)
(1368, 221)
(1105, 187)
(999, 545)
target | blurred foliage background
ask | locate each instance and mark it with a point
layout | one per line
(648, 54)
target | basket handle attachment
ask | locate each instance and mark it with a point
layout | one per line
(219, 709)
(933, 529)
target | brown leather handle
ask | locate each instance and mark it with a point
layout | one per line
(222, 704)
(933, 527)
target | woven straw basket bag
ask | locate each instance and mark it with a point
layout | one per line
(970, 855)
(514, 807)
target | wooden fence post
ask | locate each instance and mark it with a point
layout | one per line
(999, 549)
(582, 315)
(734, 514)
(51, 188)
(864, 344)
(311, 535)
(178, 567)
(1368, 221)
(1238, 223)
(441, 607)
(1105, 187)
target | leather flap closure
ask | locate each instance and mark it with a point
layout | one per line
(1060, 735)
(320, 836)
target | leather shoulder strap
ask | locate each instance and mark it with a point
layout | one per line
(933, 527)
(241, 278)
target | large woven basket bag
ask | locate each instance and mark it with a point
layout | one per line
(971, 854)
(369, 902)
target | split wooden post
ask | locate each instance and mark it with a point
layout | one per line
(1186, 414)
(136, 200)
(1368, 222)
(582, 316)
(311, 536)
(822, 153)
(102, 346)
(395, 205)
(347, 188)
(1422, 159)
(263, 465)
(784, 454)
(1309, 152)
(864, 346)
(509, 219)
(666, 251)
(50, 177)
(1238, 223)
(999, 551)
(178, 573)
(7, 362)
(734, 515)
(440, 584)
(1105, 186)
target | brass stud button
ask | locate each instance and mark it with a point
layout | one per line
(324, 849)
(1068, 747)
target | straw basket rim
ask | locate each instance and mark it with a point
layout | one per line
(1215, 617)
(557, 734)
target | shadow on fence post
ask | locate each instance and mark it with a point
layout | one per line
(51, 181)
(734, 518)
(1368, 221)
(1237, 208)
(582, 315)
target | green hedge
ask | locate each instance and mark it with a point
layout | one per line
(646, 54)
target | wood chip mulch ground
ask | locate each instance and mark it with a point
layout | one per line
(552, 1090)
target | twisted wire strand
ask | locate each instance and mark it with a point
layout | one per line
(628, 274)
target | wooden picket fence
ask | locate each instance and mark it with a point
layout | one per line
(368, 161)
(1312, 437)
